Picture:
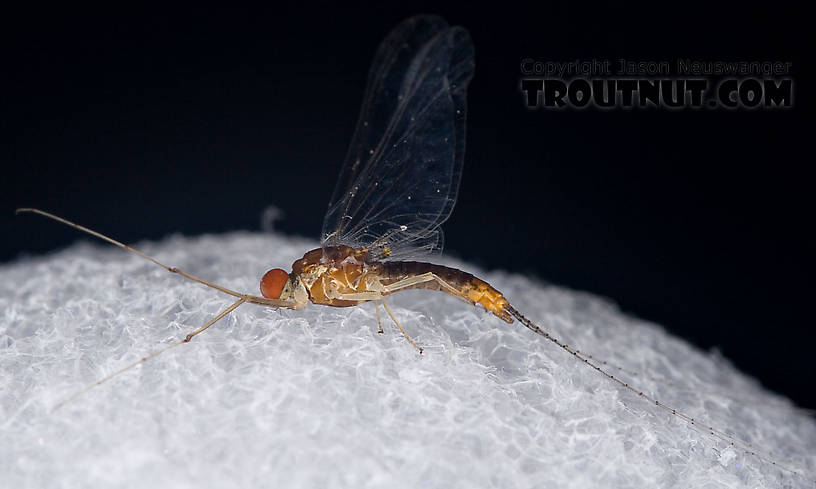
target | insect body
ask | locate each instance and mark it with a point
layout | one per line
(342, 276)
(398, 184)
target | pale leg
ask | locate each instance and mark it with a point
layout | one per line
(379, 322)
(388, 310)
(142, 360)
(377, 292)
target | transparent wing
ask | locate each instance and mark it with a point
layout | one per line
(401, 175)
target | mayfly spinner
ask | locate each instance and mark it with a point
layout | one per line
(397, 186)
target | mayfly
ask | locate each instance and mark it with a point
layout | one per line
(398, 184)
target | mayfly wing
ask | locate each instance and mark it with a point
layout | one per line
(399, 181)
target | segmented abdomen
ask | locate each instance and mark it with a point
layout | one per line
(461, 284)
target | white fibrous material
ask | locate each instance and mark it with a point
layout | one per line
(317, 398)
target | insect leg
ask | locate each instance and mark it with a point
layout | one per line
(276, 303)
(376, 289)
(409, 282)
(377, 296)
(359, 296)
(379, 322)
(247, 298)
(388, 310)
(137, 252)
(142, 360)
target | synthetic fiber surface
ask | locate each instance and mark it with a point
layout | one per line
(317, 398)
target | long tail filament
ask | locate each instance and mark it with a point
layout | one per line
(735, 442)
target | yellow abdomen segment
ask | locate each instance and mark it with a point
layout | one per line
(480, 292)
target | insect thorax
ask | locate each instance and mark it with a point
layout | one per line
(331, 272)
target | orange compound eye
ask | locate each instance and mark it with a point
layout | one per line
(272, 283)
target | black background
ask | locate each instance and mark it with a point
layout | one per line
(143, 123)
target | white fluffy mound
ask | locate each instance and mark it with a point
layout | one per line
(317, 398)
